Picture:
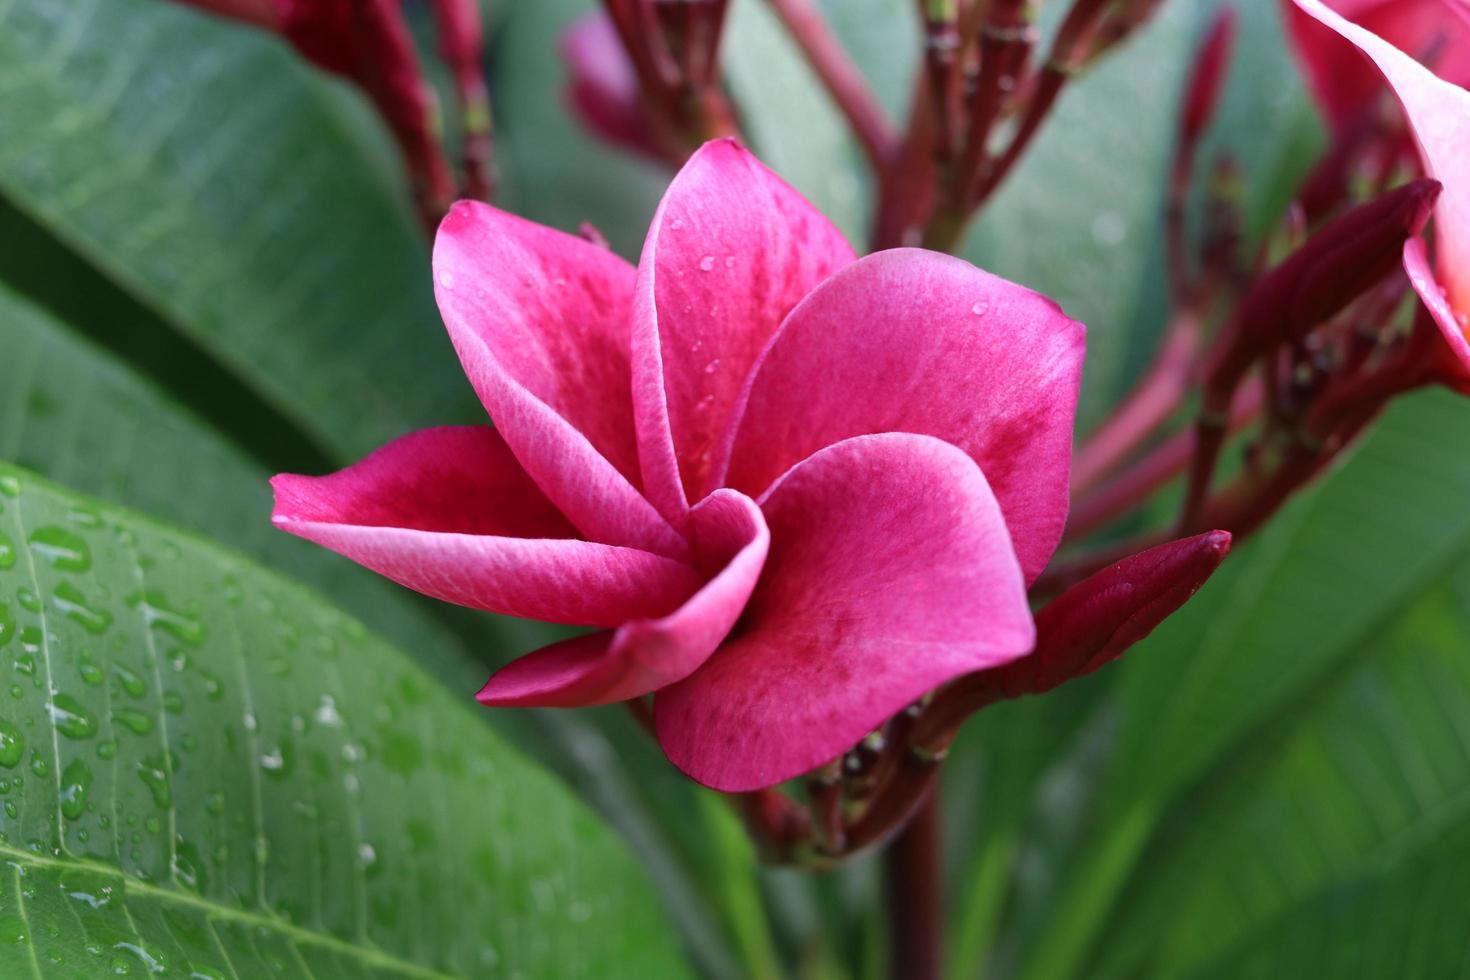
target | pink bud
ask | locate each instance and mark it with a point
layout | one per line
(602, 87)
(1095, 621)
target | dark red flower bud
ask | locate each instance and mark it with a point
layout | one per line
(261, 13)
(1095, 621)
(1337, 264)
(1206, 78)
(1082, 629)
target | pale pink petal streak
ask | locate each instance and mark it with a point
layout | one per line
(540, 321)
(730, 533)
(450, 512)
(1439, 113)
(890, 571)
(731, 250)
(915, 341)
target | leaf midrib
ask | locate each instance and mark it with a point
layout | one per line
(131, 886)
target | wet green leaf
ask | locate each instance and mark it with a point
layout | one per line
(230, 778)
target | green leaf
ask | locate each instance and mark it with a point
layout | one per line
(1362, 781)
(1408, 922)
(76, 415)
(240, 197)
(1279, 620)
(208, 771)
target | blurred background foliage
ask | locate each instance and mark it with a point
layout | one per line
(208, 273)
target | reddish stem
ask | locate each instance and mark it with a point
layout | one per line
(841, 78)
(1146, 407)
(915, 886)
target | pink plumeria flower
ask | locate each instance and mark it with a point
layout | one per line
(1434, 31)
(1438, 111)
(795, 490)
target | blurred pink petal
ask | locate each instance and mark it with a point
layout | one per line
(890, 571)
(602, 88)
(1434, 31)
(643, 656)
(1439, 113)
(540, 321)
(732, 249)
(916, 341)
(450, 513)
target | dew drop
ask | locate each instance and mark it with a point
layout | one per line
(153, 771)
(76, 780)
(70, 718)
(9, 486)
(712, 366)
(446, 279)
(91, 673)
(12, 744)
(707, 263)
(160, 614)
(7, 551)
(73, 606)
(133, 720)
(64, 550)
(981, 307)
(130, 681)
(7, 623)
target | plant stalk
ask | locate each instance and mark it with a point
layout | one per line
(912, 870)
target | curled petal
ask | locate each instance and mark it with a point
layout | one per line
(450, 513)
(890, 571)
(1439, 113)
(915, 341)
(731, 251)
(641, 657)
(1437, 31)
(539, 319)
(1452, 325)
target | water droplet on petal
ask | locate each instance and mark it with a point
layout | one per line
(446, 278)
(981, 307)
(707, 263)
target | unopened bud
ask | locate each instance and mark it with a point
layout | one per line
(1207, 76)
(1095, 621)
(1337, 264)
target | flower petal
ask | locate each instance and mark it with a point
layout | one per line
(890, 572)
(916, 341)
(1451, 324)
(540, 321)
(731, 250)
(1439, 113)
(1343, 84)
(644, 656)
(450, 513)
